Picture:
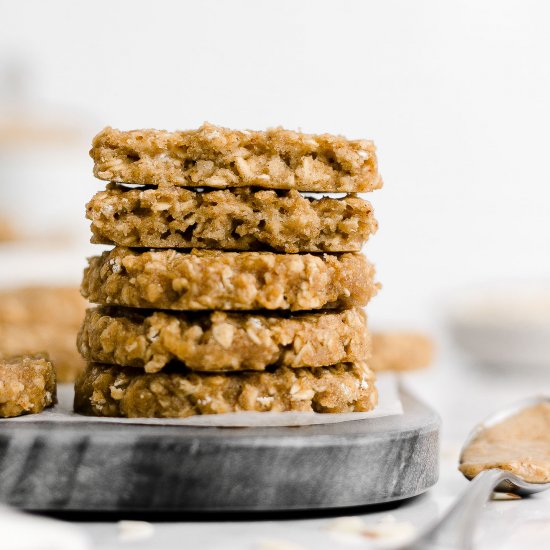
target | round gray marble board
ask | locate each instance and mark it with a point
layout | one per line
(93, 466)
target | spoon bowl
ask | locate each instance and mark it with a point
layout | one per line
(512, 483)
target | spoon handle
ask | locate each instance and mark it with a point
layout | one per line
(455, 530)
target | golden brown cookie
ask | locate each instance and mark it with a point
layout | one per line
(204, 280)
(218, 157)
(400, 351)
(221, 341)
(104, 390)
(237, 219)
(27, 385)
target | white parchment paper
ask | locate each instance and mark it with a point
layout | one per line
(389, 404)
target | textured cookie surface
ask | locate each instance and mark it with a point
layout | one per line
(238, 219)
(400, 351)
(104, 390)
(202, 280)
(218, 157)
(27, 385)
(222, 341)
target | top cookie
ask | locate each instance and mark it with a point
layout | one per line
(218, 157)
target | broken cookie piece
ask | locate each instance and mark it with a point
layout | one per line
(27, 385)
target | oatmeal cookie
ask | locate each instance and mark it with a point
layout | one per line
(221, 341)
(400, 351)
(200, 280)
(104, 390)
(237, 219)
(217, 157)
(27, 385)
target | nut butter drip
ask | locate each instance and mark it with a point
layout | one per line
(520, 444)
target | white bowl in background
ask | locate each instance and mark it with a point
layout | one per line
(504, 325)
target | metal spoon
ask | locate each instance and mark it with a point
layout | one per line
(455, 530)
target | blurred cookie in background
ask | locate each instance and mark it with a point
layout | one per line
(7, 230)
(40, 156)
(401, 351)
(43, 319)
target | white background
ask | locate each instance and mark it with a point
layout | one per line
(455, 94)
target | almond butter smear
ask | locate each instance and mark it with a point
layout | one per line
(520, 444)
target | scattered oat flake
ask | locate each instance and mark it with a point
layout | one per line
(279, 544)
(131, 531)
(350, 525)
(387, 530)
(390, 530)
(505, 496)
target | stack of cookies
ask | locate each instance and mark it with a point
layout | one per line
(228, 289)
